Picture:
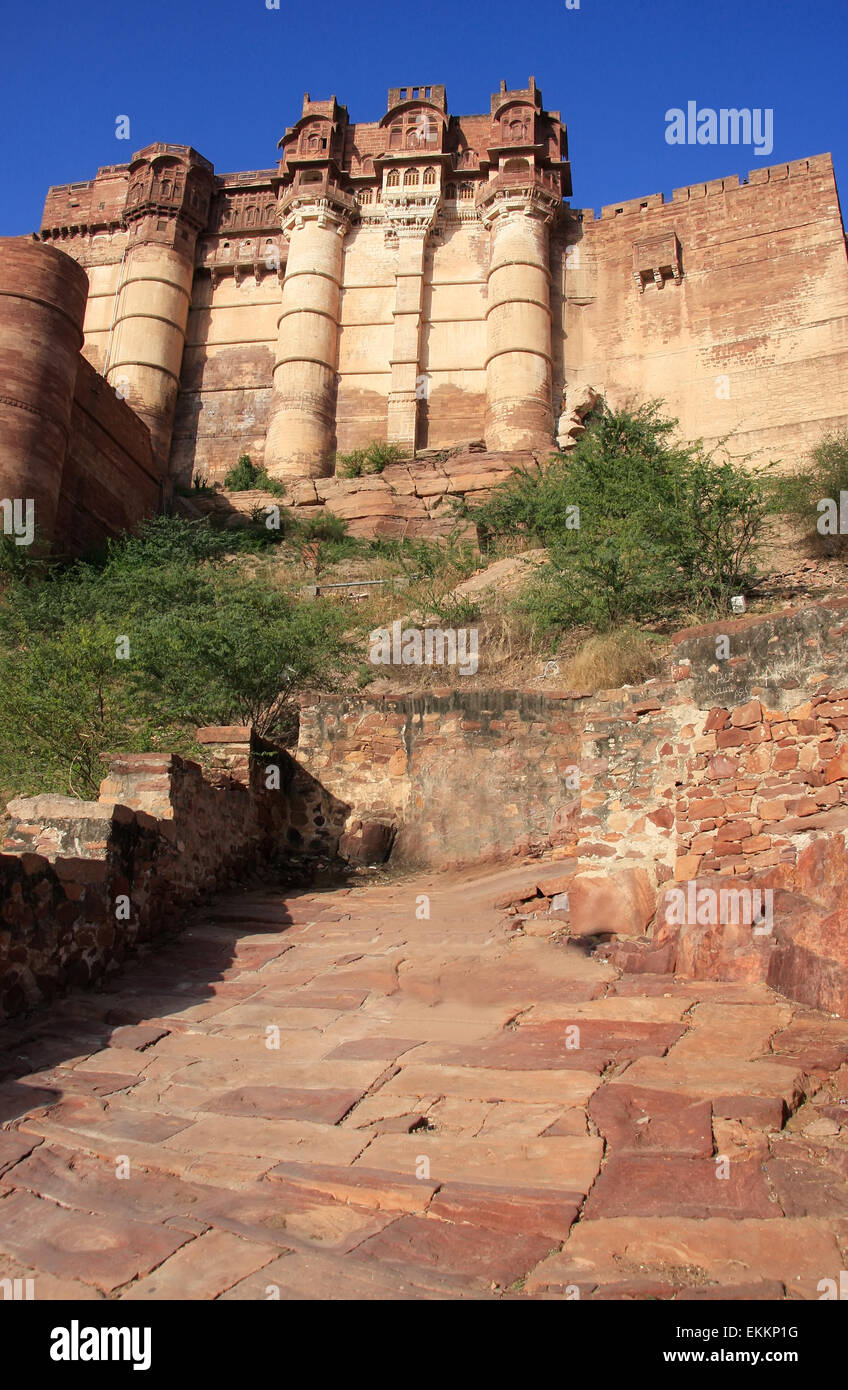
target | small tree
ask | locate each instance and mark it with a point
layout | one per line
(638, 526)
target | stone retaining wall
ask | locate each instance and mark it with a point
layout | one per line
(84, 884)
(460, 778)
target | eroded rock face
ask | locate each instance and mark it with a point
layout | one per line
(622, 902)
(786, 927)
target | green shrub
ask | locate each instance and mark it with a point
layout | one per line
(205, 646)
(825, 477)
(324, 527)
(246, 477)
(637, 525)
(372, 459)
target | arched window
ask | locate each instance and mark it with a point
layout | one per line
(410, 177)
(392, 178)
(466, 190)
(413, 137)
(250, 217)
(514, 166)
(395, 137)
(429, 176)
(365, 196)
(166, 188)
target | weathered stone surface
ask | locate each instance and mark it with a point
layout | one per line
(451, 1063)
(634, 1120)
(467, 1252)
(204, 1269)
(661, 1184)
(97, 1250)
(719, 1251)
(385, 1190)
(623, 903)
(513, 1210)
(285, 1103)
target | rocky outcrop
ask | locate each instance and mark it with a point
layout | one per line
(412, 499)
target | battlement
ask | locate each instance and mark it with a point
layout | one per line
(816, 166)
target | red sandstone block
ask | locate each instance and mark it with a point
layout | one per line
(731, 738)
(784, 759)
(704, 744)
(830, 709)
(716, 719)
(80, 870)
(826, 796)
(733, 830)
(707, 806)
(702, 844)
(765, 860)
(746, 716)
(686, 867)
(837, 768)
(757, 844)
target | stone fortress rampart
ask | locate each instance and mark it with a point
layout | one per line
(420, 279)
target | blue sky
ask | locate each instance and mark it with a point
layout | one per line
(228, 76)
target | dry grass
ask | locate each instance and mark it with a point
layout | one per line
(623, 657)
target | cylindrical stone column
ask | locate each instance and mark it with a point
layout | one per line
(301, 429)
(42, 306)
(409, 298)
(148, 335)
(519, 409)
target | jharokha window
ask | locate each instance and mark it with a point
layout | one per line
(392, 178)
(410, 177)
(429, 176)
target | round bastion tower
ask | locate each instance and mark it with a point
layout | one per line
(316, 214)
(518, 204)
(42, 306)
(167, 205)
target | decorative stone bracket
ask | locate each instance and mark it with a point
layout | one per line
(656, 259)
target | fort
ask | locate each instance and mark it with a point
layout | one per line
(421, 279)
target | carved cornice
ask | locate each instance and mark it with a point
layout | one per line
(332, 208)
(410, 214)
(520, 198)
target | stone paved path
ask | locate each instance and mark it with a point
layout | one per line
(453, 1111)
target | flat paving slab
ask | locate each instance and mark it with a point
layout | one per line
(318, 1095)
